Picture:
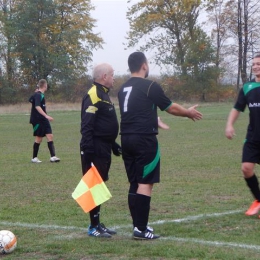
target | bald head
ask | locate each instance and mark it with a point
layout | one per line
(104, 74)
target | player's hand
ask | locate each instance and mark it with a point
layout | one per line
(87, 158)
(194, 114)
(162, 125)
(49, 118)
(230, 132)
(116, 149)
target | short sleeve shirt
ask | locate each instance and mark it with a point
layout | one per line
(249, 96)
(37, 100)
(138, 102)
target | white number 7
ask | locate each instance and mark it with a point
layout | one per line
(128, 90)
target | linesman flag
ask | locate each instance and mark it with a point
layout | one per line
(91, 190)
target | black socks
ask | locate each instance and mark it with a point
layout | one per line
(94, 216)
(131, 200)
(253, 185)
(131, 205)
(142, 209)
(35, 149)
(51, 148)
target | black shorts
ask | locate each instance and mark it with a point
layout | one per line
(251, 152)
(141, 155)
(102, 158)
(42, 129)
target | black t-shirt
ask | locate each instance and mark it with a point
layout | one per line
(37, 99)
(138, 102)
(249, 96)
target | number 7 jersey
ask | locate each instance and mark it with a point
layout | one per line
(138, 101)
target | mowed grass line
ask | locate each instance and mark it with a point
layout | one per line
(200, 174)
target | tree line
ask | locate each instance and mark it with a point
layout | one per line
(50, 39)
(54, 39)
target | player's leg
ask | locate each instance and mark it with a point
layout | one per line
(102, 161)
(94, 213)
(129, 145)
(131, 200)
(143, 200)
(129, 162)
(50, 143)
(250, 157)
(147, 171)
(37, 133)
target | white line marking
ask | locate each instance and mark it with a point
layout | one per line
(192, 218)
(204, 242)
(159, 222)
(187, 219)
(28, 225)
(211, 243)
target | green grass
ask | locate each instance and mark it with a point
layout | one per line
(200, 176)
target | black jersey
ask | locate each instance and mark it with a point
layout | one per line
(249, 96)
(98, 117)
(37, 99)
(138, 102)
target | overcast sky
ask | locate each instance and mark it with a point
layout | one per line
(113, 26)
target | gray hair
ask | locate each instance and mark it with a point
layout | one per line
(100, 70)
(257, 56)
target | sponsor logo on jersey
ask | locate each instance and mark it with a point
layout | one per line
(254, 105)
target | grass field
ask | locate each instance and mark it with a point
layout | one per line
(198, 208)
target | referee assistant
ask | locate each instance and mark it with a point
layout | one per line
(138, 101)
(99, 130)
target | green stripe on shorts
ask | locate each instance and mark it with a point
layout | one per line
(36, 127)
(151, 166)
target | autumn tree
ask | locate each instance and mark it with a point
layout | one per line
(164, 25)
(171, 30)
(74, 35)
(8, 67)
(243, 27)
(55, 39)
(202, 74)
(235, 23)
(219, 17)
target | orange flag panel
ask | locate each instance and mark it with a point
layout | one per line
(91, 190)
(92, 177)
(86, 201)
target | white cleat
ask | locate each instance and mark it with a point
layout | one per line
(36, 160)
(144, 235)
(54, 159)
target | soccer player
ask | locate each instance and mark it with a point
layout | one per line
(249, 96)
(41, 122)
(99, 130)
(138, 102)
